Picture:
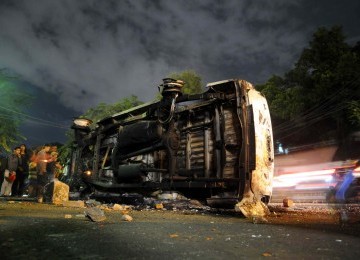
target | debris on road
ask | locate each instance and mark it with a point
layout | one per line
(159, 206)
(56, 192)
(92, 203)
(122, 208)
(266, 254)
(288, 203)
(95, 214)
(126, 218)
(125, 198)
(251, 206)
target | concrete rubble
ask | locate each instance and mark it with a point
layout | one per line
(95, 214)
(126, 218)
(288, 203)
(100, 203)
(56, 192)
(251, 206)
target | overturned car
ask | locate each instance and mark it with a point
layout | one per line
(217, 145)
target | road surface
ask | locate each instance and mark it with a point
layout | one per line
(29, 230)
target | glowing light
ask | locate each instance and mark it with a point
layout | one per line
(313, 186)
(356, 172)
(307, 174)
(329, 179)
(313, 177)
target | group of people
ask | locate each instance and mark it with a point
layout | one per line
(29, 172)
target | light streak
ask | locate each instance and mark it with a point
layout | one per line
(310, 177)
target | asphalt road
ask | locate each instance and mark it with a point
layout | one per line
(29, 230)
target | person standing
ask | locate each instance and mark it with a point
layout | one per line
(32, 188)
(42, 178)
(53, 167)
(21, 172)
(10, 172)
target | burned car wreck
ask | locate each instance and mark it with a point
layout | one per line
(216, 145)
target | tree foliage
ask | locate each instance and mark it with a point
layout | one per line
(319, 98)
(12, 102)
(103, 110)
(95, 114)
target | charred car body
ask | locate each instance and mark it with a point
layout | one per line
(216, 145)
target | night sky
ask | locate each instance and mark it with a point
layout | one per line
(73, 55)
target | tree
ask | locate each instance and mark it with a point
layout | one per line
(103, 110)
(12, 102)
(95, 114)
(193, 83)
(319, 97)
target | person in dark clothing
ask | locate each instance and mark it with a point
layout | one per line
(22, 172)
(53, 167)
(32, 187)
(10, 175)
